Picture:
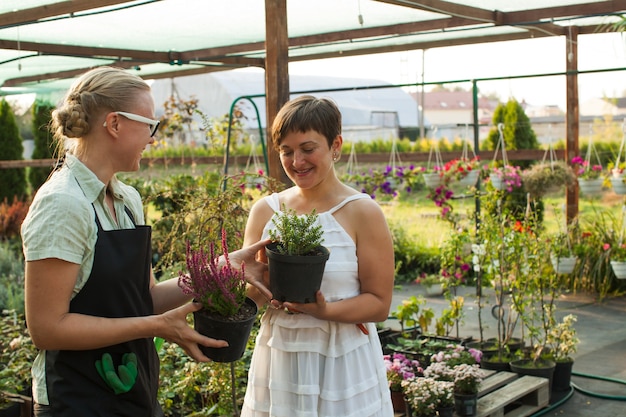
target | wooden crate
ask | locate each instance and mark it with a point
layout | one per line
(504, 394)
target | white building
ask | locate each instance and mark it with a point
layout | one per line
(367, 114)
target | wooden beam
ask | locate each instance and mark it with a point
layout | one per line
(276, 74)
(33, 14)
(448, 8)
(571, 117)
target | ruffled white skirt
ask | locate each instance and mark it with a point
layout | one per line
(305, 367)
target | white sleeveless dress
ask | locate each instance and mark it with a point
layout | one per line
(306, 367)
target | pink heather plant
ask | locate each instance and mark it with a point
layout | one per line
(220, 289)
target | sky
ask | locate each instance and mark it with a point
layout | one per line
(495, 60)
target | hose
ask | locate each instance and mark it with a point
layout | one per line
(584, 391)
(555, 405)
(596, 394)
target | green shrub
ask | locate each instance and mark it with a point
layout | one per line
(411, 259)
(13, 180)
(17, 354)
(11, 278)
(41, 114)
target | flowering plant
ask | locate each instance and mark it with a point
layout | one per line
(467, 378)
(456, 355)
(219, 288)
(400, 368)
(387, 183)
(583, 170)
(617, 252)
(439, 370)
(509, 175)
(562, 339)
(426, 395)
(461, 167)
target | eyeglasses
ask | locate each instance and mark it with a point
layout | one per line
(154, 124)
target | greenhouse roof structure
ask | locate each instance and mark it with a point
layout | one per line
(46, 43)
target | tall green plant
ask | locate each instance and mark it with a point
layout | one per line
(517, 132)
(13, 180)
(41, 113)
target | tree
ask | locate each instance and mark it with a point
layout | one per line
(41, 113)
(13, 180)
(517, 132)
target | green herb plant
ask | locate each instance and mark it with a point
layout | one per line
(296, 234)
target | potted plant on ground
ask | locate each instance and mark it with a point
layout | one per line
(431, 283)
(563, 342)
(544, 288)
(227, 313)
(296, 256)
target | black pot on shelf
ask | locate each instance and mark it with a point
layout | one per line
(295, 278)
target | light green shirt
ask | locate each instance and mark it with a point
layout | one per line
(61, 224)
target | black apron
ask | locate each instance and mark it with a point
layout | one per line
(119, 286)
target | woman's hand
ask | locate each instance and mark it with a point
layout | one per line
(255, 269)
(177, 330)
(316, 309)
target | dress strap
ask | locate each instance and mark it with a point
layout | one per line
(273, 201)
(348, 199)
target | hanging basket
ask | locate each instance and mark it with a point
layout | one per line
(619, 187)
(497, 182)
(590, 186)
(564, 265)
(433, 179)
(470, 179)
(619, 269)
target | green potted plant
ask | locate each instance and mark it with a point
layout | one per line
(227, 313)
(296, 256)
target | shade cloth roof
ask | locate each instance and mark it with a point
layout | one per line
(45, 43)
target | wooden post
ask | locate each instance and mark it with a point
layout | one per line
(572, 117)
(276, 74)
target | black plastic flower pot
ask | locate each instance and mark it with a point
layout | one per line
(295, 278)
(235, 330)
